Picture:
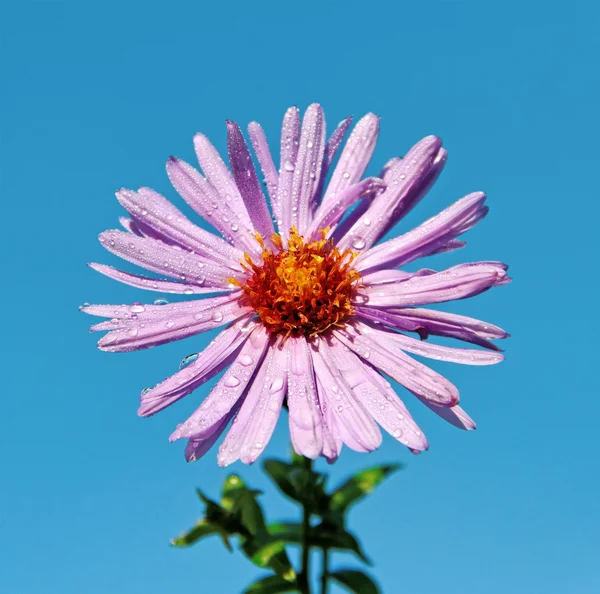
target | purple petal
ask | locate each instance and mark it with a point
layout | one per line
(329, 216)
(432, 351)
(154, 284)
(305, 420)
(220, 177)
(309, 161)
(228, 390)
(290, 135)
(206, 201)
(255, 422)
(356, 427)
(247, 181)
(354, 158)
(141, 333)
(458, 282)
(405, 185)
(156, 212)
(455, 415)
(215, 357)
(378, 398)
(334, 142)
(265, 159)
(332, 440)
(418, 378)
(171, 261)
(196, 447)
(427, 237)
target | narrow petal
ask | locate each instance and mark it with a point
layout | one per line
(259, 411)
(406, 181)
(129, 225)
(265, 159)
(305, 418)
(171, 261)
(135, 334)
(411, 320)
(200, 194)
(157, 212)
(290, 137)
(334, 141)
(196, 447)
(307, 172)
(228, 390)
(223, 182)
(215, 357)
(264, 413)
(329, 216)
(332, 439)
(354, 158)
(154, 284)
(430, 350)
(378, 398)
(413, 375)
(427, 237)
(357, 428)
(247, 181)
(458, 282)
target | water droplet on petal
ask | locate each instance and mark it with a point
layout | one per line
(358, 243)
(366, 221)
(288, 166)
(276, 384)
(170, 323)
(217, 316)
(245, 360)
(161, 301)
(137, 308)
(232, 381)
(188, 360)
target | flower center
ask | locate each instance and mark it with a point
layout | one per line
(304, 289)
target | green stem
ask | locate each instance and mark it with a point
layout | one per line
(304, 577)
(325, 571)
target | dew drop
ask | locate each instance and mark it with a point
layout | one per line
(346, 175)
(245, 360)
(232, 381)
(161, 301)
(188, 360)
(170, 323)
(288, 166)
(366, 221)
(217, 316)
(358, 243)
(276, 384)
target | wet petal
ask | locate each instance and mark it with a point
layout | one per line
(247, 181)
(413, 375)
(356, 427)
(307, 172)
(290, 136)
(215, 357)
(265, 159)
(427, 237)
(458, 282)
(305, 419)
(171, 261)
(229, 389)
(354, 158)
(407, 179)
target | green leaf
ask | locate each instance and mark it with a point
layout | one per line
(199, 531)
(355, 581)
(249, 511)
(288, 477)
(322, 536)
(272, 584)
(270, 553)
(232, 487)
(359, 486)
(202, 529)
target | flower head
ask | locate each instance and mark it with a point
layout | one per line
(315, 314)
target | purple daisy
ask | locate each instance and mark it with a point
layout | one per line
(315, 314)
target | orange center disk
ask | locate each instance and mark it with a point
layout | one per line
(302, 290)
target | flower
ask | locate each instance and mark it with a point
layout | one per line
(316, 313)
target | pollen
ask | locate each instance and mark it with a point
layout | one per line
(304, 289)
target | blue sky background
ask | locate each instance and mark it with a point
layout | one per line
(96, 96)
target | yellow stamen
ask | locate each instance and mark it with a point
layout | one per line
(302, 290)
